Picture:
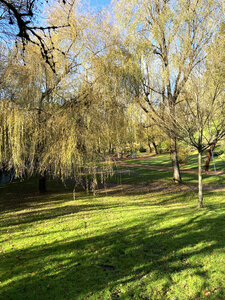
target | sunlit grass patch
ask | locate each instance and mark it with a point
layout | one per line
(154, 160)
(163, 160)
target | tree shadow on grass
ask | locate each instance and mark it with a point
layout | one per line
(30, 211)
(122, 262)
(51, 213)
(39, 208)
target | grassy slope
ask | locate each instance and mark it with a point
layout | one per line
(149, 242)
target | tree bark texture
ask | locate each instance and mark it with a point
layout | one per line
(200, 189)
(208, 157)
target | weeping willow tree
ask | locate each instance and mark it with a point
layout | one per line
(60, 124)
(62, 138)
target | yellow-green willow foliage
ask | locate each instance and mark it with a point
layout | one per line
(73, 139)
(64, 124)
(16, 126)
(70, 140)
(62, 137)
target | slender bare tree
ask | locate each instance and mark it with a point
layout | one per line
(164, 41)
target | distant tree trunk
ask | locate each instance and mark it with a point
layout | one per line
(42, 184)
(155, 148)
(200, 193)
(149, 145)
(173, 140)
(111, 149)
(208, 157)
(174, 159)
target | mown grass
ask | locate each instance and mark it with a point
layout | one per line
(141, 238)
(151, 175)
(192, 162)
(154, 160)
(163, 160)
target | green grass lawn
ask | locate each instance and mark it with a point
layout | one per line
(192, 162)
(141, 238)
(163, 160)
(155, 160)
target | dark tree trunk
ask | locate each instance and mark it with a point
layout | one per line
(200, 188)
(42, 184)
(155, 148)
(175, 163)
(149, 146)
(208, 157)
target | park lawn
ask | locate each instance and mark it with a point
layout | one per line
(163, 160)
(192, 162)
(140, 238)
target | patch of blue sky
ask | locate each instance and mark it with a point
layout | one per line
(99, 4)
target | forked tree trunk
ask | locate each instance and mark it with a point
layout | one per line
(200, 189)
(175, 162)
(208, 157)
